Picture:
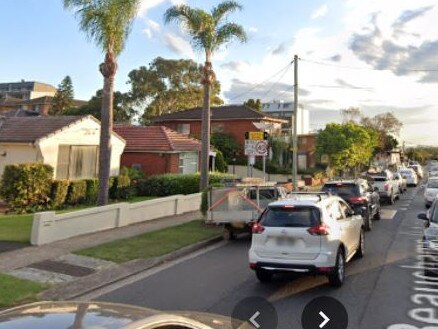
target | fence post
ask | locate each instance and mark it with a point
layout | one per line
(41, 228)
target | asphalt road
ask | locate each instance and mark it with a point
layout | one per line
(377, 293)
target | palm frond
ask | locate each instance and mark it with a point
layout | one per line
(229, 31)
(106, 22)
(224, 9)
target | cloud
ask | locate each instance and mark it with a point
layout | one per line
(344, 84)
(252, 29)
(146, 5)
(281, 49)
(266, 91)
(178, 45)
(236, 66)
(320, 12)
(335, 58)
(152, 28)
(409, 15)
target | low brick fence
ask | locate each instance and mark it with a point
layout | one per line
(49, 227)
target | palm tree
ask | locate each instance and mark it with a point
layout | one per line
(107, 23)
(208, 31)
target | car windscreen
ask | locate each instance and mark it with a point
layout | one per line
(434, 216)
(432, 184)
(298, 216)
(343, 190)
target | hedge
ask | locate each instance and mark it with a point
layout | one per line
(26, 187)
(76, 192)
(171, 184)
(91, 191)
(58, 193)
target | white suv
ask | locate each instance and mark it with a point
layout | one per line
(313, 233)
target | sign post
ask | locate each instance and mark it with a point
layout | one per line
(256, 144)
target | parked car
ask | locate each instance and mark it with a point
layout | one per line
(433, 172)
(418, 170)
(314, 234)
(430, 191)
(386, 184)
(410, 175)
(430, 240)
(402, 182)
(360, 195)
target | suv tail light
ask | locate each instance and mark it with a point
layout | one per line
(357, 199)
(322, 229)
(257, 228)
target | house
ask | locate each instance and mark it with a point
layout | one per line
(26, 90)
(159, 150)
(307, 151)
(69, 144)
(285, 110)
(11, 106)
(233, 120)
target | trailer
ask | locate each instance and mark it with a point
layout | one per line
(237, 207)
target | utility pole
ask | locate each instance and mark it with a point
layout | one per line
(294, 128)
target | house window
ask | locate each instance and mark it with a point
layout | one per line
(188, 162)
(183, 128)
(77, 162)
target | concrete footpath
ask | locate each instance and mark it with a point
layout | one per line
(15, 259)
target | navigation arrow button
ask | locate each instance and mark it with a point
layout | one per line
(253, 320)
(326, 319)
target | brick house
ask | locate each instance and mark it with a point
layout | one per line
(158, 150)
(307, 151)
(234, 120)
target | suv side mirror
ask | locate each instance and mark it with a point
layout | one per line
(422, 216)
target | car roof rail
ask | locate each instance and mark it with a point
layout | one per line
(318, 194)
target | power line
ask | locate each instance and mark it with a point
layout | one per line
(263, 82)
(278, 81)
(365, 68)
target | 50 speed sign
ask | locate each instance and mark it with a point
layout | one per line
(256, 147)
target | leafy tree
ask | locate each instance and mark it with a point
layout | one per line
(226, 144)
(348, 145)
(169, 85)
(255, 104)
(107, 23)
(123, 111)
(352, 114)
(385, 123)
(63, 98)
(209, 31)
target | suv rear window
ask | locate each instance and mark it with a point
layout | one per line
(342, 189)
(291, 217)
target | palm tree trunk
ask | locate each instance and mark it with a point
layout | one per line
(205, 137)
(108, 70)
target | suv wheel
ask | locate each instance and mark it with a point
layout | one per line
(368, 221)
(337, 276)
(264, 275)
(361, 248)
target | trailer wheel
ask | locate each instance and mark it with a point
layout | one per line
(228, 233)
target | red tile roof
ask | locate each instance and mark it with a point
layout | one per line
(155, 139)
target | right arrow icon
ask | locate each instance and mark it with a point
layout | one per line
(326, 319)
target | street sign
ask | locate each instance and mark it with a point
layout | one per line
(256, 147)
(256, 135)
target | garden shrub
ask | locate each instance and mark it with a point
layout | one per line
(76, 192)
(91, 191)
(172, 184)
(121, 187)
(58, 193)
(26, 187)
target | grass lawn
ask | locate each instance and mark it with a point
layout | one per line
(153, 244)
(15, 291)
(15, 228)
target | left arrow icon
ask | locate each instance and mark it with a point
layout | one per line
(253, 320)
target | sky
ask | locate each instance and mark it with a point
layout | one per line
(378, 55)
